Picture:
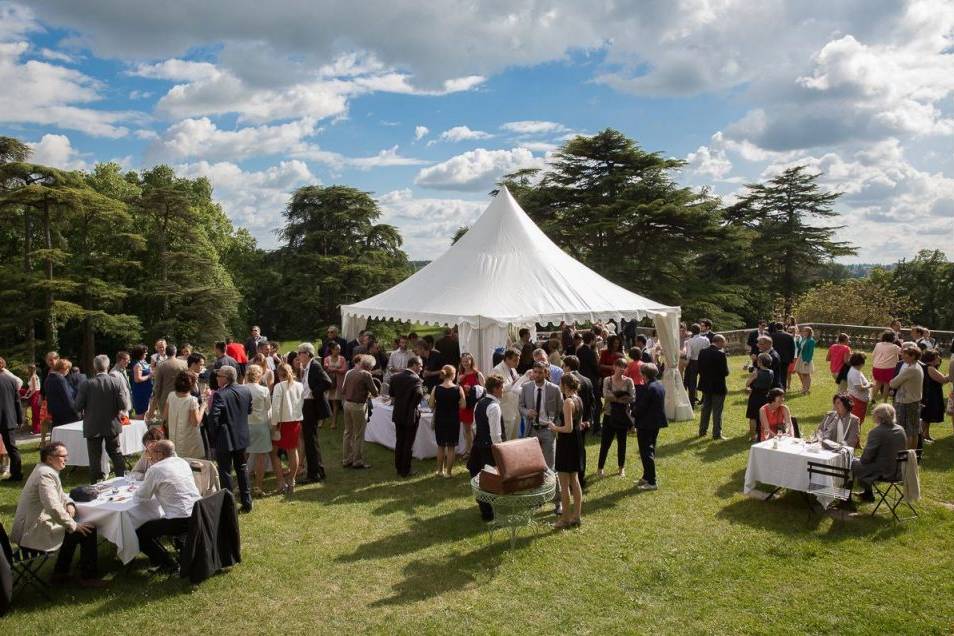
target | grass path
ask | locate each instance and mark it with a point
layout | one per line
(369, 553)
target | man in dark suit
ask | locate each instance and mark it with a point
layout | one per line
(60, 399)
(406, 391)
(879, 460)
(753, 340)
(765, 346)
(784, 344)
(649, 412)
(255, 338)
(103, 402)
(331, 338)
(590, 368)
(229, 434)
(713, 370)
(11, 416)
(222, 359)
(571, 365)
(314, 409)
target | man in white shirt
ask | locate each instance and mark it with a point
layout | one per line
(509, 400)
(487, 432)
(397, 361)
(694, 346)
(540, 404)
(170, 481)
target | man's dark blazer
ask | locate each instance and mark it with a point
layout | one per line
(59, 400)
(753, 342)
(713, 370)
(586, 395)
(228, 417)
(406, 390)
(11, 413)
(784, 343)
(589, 364)
(101, 399)
(649, 407)
(319, 383)
(326, 347)
(778, 368)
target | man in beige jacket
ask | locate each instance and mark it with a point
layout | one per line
(45, 522)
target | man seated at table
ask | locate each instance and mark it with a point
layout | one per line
(148, 457)
(170, 481)
(880, 457)
(45, 522)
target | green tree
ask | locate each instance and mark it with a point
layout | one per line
(618, 209)
(790, 250)
(855, 301)
(929, 278)
(333, 253)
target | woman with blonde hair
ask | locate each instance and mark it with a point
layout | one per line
(804, 354)
(259, 425)
(287, 400)
(446, 400)
(469, 377)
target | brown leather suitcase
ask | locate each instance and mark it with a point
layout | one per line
(491, 481)
(518, 458)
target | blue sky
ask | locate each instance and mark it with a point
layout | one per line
(427, 108)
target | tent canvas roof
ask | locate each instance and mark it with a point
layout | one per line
(505, 270)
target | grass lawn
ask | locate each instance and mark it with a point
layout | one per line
(367, 552)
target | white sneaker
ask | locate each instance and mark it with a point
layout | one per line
(645, 486)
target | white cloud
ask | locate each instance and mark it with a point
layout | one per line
(253, 199)
(57, 151)
(427, 224)
(145, 133)
(539, 146)
(41, 93)
(140, 94)
(463, 133)
(384, 158)
(476, 170)
(56, 56)
(177, 70)
(420, 132)
(530, 127)
(709, 162)
(16, 21)
(202, 138)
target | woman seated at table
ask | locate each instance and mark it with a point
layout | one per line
(45, 520)
(839, 425)
(774, 417)
(148, 457)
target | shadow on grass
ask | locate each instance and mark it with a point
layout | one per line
(716, 450)
(423, 533)
(790, 516)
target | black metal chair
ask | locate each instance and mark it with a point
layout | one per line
(829, 483)
(25, 565)
(891, 491)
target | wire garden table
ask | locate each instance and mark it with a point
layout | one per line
(515, 510)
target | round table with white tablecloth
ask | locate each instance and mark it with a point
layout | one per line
(380, 430)
(130, 442)
(117, 513)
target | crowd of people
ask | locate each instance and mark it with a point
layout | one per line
(249, 405)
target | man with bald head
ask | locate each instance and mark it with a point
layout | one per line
(170, 481)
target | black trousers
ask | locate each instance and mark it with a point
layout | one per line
(16, 462)
(646, 438)
(406, 433)
(226, 459)
(94, 448)
(151, 532)
(691, 381)
(481, 456)
(87, 546)
(309, 435)
(606, 440)
(597, 411)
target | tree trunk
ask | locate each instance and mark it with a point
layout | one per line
(30, 325)
(52, 336)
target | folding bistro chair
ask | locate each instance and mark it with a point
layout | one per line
(25, 564)
(828, 486)
(891, 491)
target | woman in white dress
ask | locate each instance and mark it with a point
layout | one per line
(259, 429)
(183, 417)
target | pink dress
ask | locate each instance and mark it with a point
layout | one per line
(337, 371)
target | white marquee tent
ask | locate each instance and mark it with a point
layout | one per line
(506, 273)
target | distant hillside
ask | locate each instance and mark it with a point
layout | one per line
(861, 270)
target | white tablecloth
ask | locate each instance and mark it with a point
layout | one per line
(117, 520)
(130, 442)
(787, 466)
(381, 431)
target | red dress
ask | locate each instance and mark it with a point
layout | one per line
(466, 382)
(606, 360)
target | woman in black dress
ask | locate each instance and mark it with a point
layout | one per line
(567, 460)
(446, 400)
(758, 383)
(932, 400)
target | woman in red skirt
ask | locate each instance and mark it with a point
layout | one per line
(469, 377)
(287, 401)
